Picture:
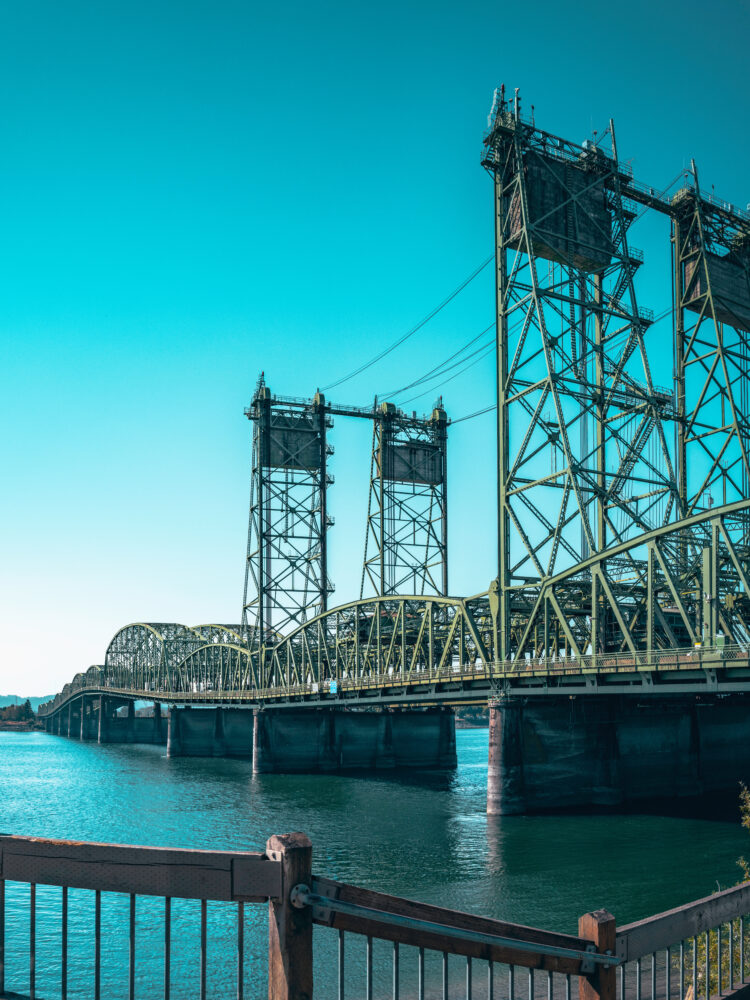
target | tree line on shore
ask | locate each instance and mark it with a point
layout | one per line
(17, 713)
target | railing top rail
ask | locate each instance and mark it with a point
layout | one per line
(243, 876)
(644, 937)
(393, 918)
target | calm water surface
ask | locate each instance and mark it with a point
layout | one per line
(420, 835)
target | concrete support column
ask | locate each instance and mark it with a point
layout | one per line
(256, 739)
(102, 729)
(505, 793)
(219, 747)
(130, 731)
(82, 731)
(158, 736)
(174, 744)
(70, 719)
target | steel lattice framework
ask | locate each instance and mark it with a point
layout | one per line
(583, 460)
(711, 250)
(286, 577)
(406, 540)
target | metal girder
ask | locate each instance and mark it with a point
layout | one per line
(634, 590)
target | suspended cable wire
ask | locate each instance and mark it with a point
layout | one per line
(443, 369)
(438, 368)
(471, 364)
(477, 413)
(414, 329)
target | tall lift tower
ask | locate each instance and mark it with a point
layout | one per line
(711, 252)
(406, 542)
(286, 575)
(583, 459)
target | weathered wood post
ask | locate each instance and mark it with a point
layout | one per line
(290, 930)
(599, 927)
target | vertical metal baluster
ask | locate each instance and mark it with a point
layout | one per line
(241, 951)
(490, 981)
(511, 982)
(2, 936)
(622, 984)
(468, 978)
(668, 975)
(708, 965)
(682, 970)
(549, 986)
(638, 979)
(97, 944)
(695, 968)
(203, 949)
(731, 955)
(531, 984)
(420, 974)
(445, 975)
(567, 987)
(64, 945)
(341, 965)
(396, 987)
(742, 949)
(368, 969)
(32, 941)
(718, 959)
(167, 946)
(131, 983)
(653, 975)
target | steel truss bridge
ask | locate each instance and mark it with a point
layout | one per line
(390, 650)
(623, 512)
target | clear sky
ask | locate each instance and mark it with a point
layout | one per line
(195, 191)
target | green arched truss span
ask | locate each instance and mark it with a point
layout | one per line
(670, 588)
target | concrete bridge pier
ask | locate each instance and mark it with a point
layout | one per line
(552, 752)
(210, 732)
(89, 722)
(337, 739)
(505, 762)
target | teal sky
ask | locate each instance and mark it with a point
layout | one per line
(192, 192)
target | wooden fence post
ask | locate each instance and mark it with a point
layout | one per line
(290, 930)
(599, 927)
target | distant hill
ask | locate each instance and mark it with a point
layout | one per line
(15, 699)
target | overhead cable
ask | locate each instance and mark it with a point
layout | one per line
(414, 329)
(438, 368)
(471, 364)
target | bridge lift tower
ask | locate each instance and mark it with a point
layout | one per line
(406, 542)
(583, 457)
(286, 575)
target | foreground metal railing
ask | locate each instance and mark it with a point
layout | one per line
(407, 949)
